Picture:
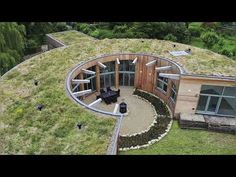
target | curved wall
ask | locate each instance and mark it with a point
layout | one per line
(146, 77)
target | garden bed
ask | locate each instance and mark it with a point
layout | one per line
(160, 127)
(160, 106)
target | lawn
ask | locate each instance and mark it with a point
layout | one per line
(189, 142)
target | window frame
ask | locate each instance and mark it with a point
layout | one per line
(216, 112)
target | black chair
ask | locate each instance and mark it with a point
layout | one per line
(108, 100)
(102, 91)
(118, 92)
(109, 89)
(114, 99)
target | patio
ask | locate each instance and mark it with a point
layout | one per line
(140, 113)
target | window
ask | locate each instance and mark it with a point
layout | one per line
(227, 106)
(217, 100)
(110, 67)
(173, 92)
(126, 73)
(209, 89)
(92, 78)
(162, 83)
(127, 65)
(107, 76)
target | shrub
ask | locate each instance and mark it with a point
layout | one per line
(170, 37)
(85, 28)
(227, 52)
(210, 38)
(195, 31)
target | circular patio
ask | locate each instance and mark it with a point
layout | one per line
(140, 113)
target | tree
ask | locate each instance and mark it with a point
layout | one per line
(11, 45)
(209, 38)
(170, 37)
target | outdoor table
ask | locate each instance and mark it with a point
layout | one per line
(110, 96)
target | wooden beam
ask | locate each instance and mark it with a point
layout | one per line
(135, 60)
(80, 81)
(163, 68)
(81, 76)
(151, 63)
(101, 65)
(170, 76)
(97, 78)
(116, 109)
(95, 102)
(80, 93)
(118, 61)
(116, 75)
(88, 71)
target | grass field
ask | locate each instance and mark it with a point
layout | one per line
(189, 142)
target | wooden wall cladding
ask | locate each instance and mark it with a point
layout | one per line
(145, 76)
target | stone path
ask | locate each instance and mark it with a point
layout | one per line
(140, 113)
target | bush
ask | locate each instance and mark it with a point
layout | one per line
(170, 37)
(210, 38)
(102, 33)
(61, 26)
(95, 33)
(195, 31)
(85, 28)
(227, 52)
(31, 46)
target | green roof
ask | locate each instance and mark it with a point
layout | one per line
(24, 129)
(201, 61)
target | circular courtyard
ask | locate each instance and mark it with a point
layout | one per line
(140, 114)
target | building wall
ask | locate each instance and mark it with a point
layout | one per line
(53, 43)
(188, 87)
(145, 76)
(189, 90)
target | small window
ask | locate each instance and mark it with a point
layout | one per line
(162, 83)
(173, 92)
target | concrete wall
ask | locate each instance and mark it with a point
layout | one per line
(52, 42)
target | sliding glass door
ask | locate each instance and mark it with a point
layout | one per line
(126, 79)
(126, 73)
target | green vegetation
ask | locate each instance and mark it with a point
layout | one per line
(25, 130)
(209, 35)
(11, 45)
(156, 130)
(25, 38)
(20, 39)
(189, 142)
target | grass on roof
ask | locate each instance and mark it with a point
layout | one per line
(24, 130)
(190, 142)
(71, 37)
